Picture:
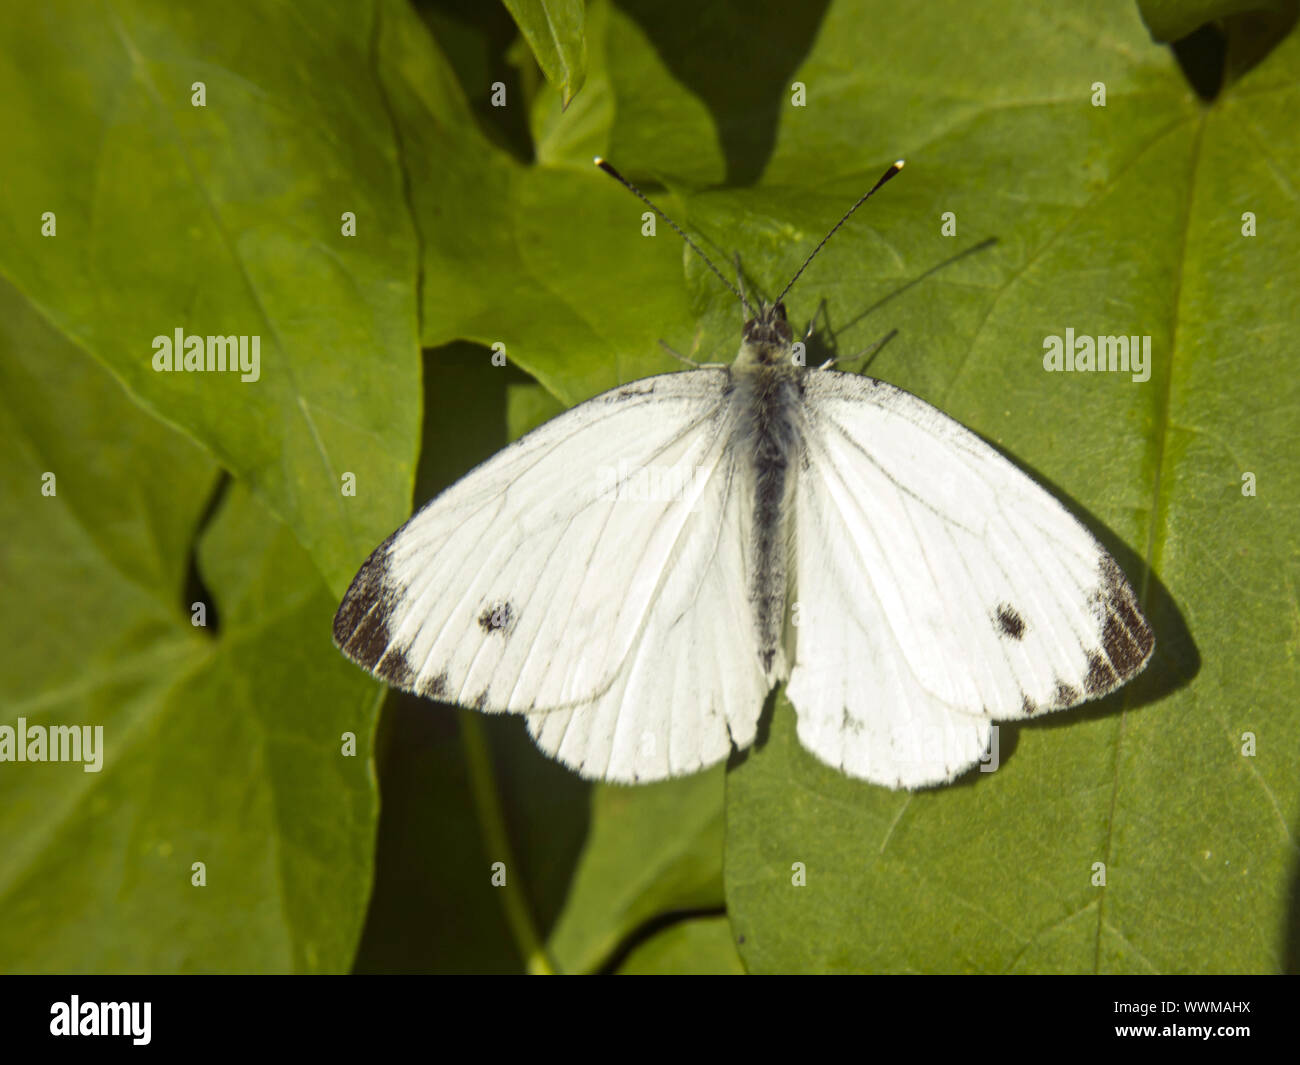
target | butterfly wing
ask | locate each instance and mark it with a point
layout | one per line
(939, 588)
(691, 684)
(592, 576)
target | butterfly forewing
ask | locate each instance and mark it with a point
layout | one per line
(590, 575)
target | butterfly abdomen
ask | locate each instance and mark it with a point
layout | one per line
(770, 395)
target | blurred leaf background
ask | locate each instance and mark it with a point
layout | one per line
(479, 224)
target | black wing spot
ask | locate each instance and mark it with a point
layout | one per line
(1009, 622)
(499, 617)
(481, 700)
(395, 669)
(1066, 695)
(1029, 707)
(434, 687)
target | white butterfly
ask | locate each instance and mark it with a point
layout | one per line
(636, 575)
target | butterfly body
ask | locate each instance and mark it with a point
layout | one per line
(767, 391)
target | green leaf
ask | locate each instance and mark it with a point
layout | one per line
(650, 850)
(217, 748)
(227, 220)
(554, 31)
(699, 947)
(570, 134)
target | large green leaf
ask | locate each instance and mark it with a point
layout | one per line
(227, 219)
(221, 747)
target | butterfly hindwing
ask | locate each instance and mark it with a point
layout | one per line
(691, 685)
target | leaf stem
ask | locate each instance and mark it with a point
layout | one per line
(496, 840)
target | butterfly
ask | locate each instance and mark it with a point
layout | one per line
(638, 574)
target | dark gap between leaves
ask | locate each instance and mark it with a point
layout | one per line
(195, 591)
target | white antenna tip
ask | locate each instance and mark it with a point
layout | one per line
(899, 163)
(598, 160)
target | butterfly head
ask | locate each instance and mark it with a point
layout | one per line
(767, 337)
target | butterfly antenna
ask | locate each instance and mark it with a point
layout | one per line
(894, 169)
(678, 229)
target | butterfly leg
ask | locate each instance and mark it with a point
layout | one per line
(678, 355)
(870, 349)
(688, 360)
(812, 322)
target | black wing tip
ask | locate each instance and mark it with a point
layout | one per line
(362, 632)
(1126, 644)
(361, 622)
(1126, 638)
